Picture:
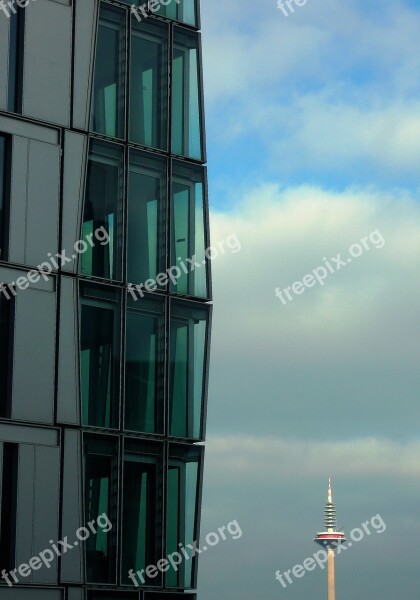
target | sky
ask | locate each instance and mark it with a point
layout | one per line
(313, 133)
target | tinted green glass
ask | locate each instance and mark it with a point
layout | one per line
(187, 374)
(182, 510)
(181, 10)
(109, 78)
(148, 86)
(141, 516)
(100, 356)
(144, 366)
(101, 487)
(146, 218)
(186, 109)
(189, 230)
(103, 210)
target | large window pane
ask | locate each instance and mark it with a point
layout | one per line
(103, 209)
(144, 371)
(148, 85)
(188, 351)
(100, 355)
(182, 510)
(101, 492)
(186, 105)
(142, 516)
(6, 353)
(146, 218)
(4, 191)
(189, 238)
(109, 78)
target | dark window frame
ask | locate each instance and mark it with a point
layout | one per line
(15, 63)
(6, 192)
(6, 364)
(8, 513)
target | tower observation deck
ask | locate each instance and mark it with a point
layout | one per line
(329, 539)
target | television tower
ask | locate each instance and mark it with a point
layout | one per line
(329, 539)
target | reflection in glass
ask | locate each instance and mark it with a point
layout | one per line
(103, 209)
(182, 509)
(109, 78)
(148, 93)
(141, 517)
(99, 356)
(185, 12)
(144, 366)
(101, 488)
(189, 230)
(187, 369)
(186, 110)
(146, 218)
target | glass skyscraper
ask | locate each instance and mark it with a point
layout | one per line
(105, 310)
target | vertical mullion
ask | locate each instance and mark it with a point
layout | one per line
(190, 381)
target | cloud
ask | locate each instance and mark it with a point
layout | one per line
(345, 353)
(239, 458)
(330, 92)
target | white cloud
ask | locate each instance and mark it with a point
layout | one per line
(333, 88)
(346, 352)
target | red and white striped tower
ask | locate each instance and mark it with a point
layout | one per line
(329, 539)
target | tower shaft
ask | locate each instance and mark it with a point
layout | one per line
(331, 575)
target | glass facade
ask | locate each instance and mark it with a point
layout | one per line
(100, 325)
(110, 431)
(103, 209)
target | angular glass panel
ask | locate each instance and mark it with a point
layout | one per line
(6, 353)
(149, 85)
(184, 11)
(182, 510)
(109, 78)
(103, 210)
(4, 191)
(142, 517)
(188, 350)
(189, 234)
(101, 500)
(186, 106)
(100, 355)
(144, 371)
(146, 218)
